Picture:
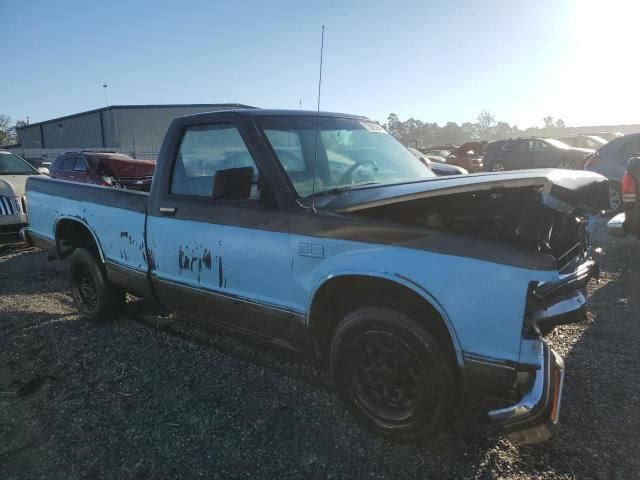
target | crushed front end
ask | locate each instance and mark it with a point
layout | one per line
(540, 373)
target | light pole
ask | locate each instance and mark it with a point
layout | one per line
(111, 128)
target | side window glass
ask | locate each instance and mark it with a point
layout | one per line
(68, 164)
(631, 146)
(81, 165)
(206, 150)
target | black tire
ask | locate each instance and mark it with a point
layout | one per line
(615, 192)
(496, 166)
(95, 297)
(392, 375)
(568, 165)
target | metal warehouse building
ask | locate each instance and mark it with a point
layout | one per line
(121, 127)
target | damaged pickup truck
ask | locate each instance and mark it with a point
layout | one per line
(323, 234)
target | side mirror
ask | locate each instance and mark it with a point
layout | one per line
(233, 183)
(43, 170)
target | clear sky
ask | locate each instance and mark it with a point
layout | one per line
(436, 61)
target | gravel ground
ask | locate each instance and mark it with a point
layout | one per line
(156, 394)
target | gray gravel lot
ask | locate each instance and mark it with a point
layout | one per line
(156, 394)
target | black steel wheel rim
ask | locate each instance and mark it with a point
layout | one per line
(85, 287)
(389, 380)
(614, 200)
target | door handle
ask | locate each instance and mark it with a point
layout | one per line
(167, 211)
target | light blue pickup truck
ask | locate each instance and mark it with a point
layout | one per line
(323, 234)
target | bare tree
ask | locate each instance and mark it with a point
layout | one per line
(548, 121)
(7, 131)
(486, 124)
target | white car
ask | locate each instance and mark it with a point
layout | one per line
(14, 172)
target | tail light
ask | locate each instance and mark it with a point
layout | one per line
(591, 159)
(629, 188)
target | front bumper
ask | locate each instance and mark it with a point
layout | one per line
(11, 224)
(615, 226)
(534, 418)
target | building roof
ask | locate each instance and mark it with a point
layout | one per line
(124, 107)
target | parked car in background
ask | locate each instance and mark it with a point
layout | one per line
(608, 136)
(439, 168)
(39, 162)
(468, 156)
(438, 152)
(584, 141)
(533, 152)
(629, 220)
(104, 168)
(611, 161)
(14, 172)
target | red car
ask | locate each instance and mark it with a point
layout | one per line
(468, 156)
(104, 168)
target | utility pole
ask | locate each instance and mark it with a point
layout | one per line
(106, 99)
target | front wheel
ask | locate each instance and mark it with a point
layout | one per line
(497, 167)
(567, 165)
(95, 297)
(391, 375)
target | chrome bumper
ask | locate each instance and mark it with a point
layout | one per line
(615, 226)
(24, 236)
(535, 417)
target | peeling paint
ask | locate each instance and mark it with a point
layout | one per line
(206, 259)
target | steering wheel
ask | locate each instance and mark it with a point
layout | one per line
(346, 177)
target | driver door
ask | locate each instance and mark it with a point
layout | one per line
(228, 259)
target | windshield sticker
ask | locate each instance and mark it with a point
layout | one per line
(373, 127)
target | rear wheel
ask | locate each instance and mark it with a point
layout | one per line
(615, 198)
(95, 297)
(391, 375)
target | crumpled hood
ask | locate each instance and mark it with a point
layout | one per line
(13, 185)
(129, 168)
(563, 190)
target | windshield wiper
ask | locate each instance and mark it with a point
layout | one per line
(341, 189)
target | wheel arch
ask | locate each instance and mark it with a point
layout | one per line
(362, 286)
(78, 231)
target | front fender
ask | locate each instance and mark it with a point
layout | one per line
(482, 303)
(401, 280)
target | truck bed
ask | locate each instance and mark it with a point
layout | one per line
(115, 218)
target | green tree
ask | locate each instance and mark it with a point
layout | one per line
(560, 123)
(395, 126)
(548, 121)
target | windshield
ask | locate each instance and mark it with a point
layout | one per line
(351, 152)
(11, 164)
(557, 143)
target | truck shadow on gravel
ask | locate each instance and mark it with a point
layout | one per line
(26, 271)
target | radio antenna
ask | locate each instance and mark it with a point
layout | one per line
(315, 159)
